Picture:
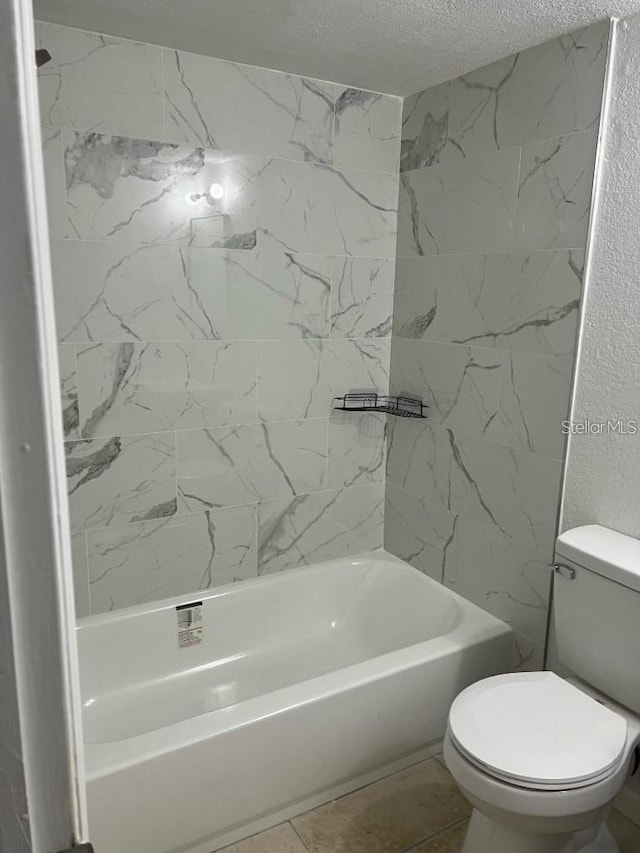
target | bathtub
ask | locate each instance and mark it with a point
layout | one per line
(257, 701)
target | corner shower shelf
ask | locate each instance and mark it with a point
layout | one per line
(402, 407)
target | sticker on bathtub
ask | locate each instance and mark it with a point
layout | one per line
(189, 624)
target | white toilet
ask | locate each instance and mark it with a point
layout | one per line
(540, 757)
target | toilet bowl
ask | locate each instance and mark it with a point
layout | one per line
(541, 758)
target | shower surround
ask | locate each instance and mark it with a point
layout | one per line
(202, 339)
(204, 333)
(495, 194)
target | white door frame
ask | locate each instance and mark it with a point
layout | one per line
(42, 789)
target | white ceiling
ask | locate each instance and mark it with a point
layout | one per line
(396, 46)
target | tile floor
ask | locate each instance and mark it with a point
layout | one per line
(418, 810)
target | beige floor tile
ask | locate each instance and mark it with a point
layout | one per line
(388, 816)
(626, 833)
(280, 839)
(449, 841)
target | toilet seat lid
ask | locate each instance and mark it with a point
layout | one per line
(537, 730)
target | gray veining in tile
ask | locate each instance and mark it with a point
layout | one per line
(526, 302)
(534, 402)
(120, 479)
(367, 130)
(322, 526)
(140, 191)
(299, 379)
(145, 387)
(421, 533)
(502, 575)
(136, 563)
(262, 295)
(514, 492)
(415, 302)
(310, 208)
(54, 177)
(219, 104)
(543, 92)
(69, 390)
(460, 385)
(99, 83)
(115, 292)
(244, 464)
(361, 297)
(357, 447)
(554, 191)
(465, 206)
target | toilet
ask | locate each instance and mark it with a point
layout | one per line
(541, 757)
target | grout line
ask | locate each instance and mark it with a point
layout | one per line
(523, 144)
(186, 515)
(135, 41)
(302, 841)
(266, 251)
(441, 833)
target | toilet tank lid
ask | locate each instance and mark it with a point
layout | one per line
(603, 551)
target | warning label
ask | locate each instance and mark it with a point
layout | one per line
(189, 624)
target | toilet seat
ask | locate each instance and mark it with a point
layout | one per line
(535, 730)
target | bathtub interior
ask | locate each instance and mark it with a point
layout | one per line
(258, 637)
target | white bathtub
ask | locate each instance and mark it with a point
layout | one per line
(305, 685)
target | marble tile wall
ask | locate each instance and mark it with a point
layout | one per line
(495, 193)
(202, 339)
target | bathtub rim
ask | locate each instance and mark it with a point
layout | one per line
(236, 587)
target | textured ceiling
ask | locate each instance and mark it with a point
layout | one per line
(396, 46)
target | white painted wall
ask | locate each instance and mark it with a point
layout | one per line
(603, 470)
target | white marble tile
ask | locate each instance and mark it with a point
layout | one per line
(527, 656)
(322, 526)
(556, 87)
(501, 575)
(357, 448)
(421, 533)
(119, 188)
(225, 105)
(54, 178)
(146, 387)
(121, 479)
(138, 563)
(367, 130)
(80, 574)
(425, 128)
(460, 385)
(299, 379)
(548, 90)
(463, 206)
(554, 191)
(415, 301)
(527, 302)
(107, 291)
(411, 451)
(534, 401)
(361, 297)
(513, 492)
(262, 295)
(99, 83)
(308, 208)
(68, 390)
(115, 292)
(139, 191)
(243, 464)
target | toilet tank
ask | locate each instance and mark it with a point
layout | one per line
(597, 611)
